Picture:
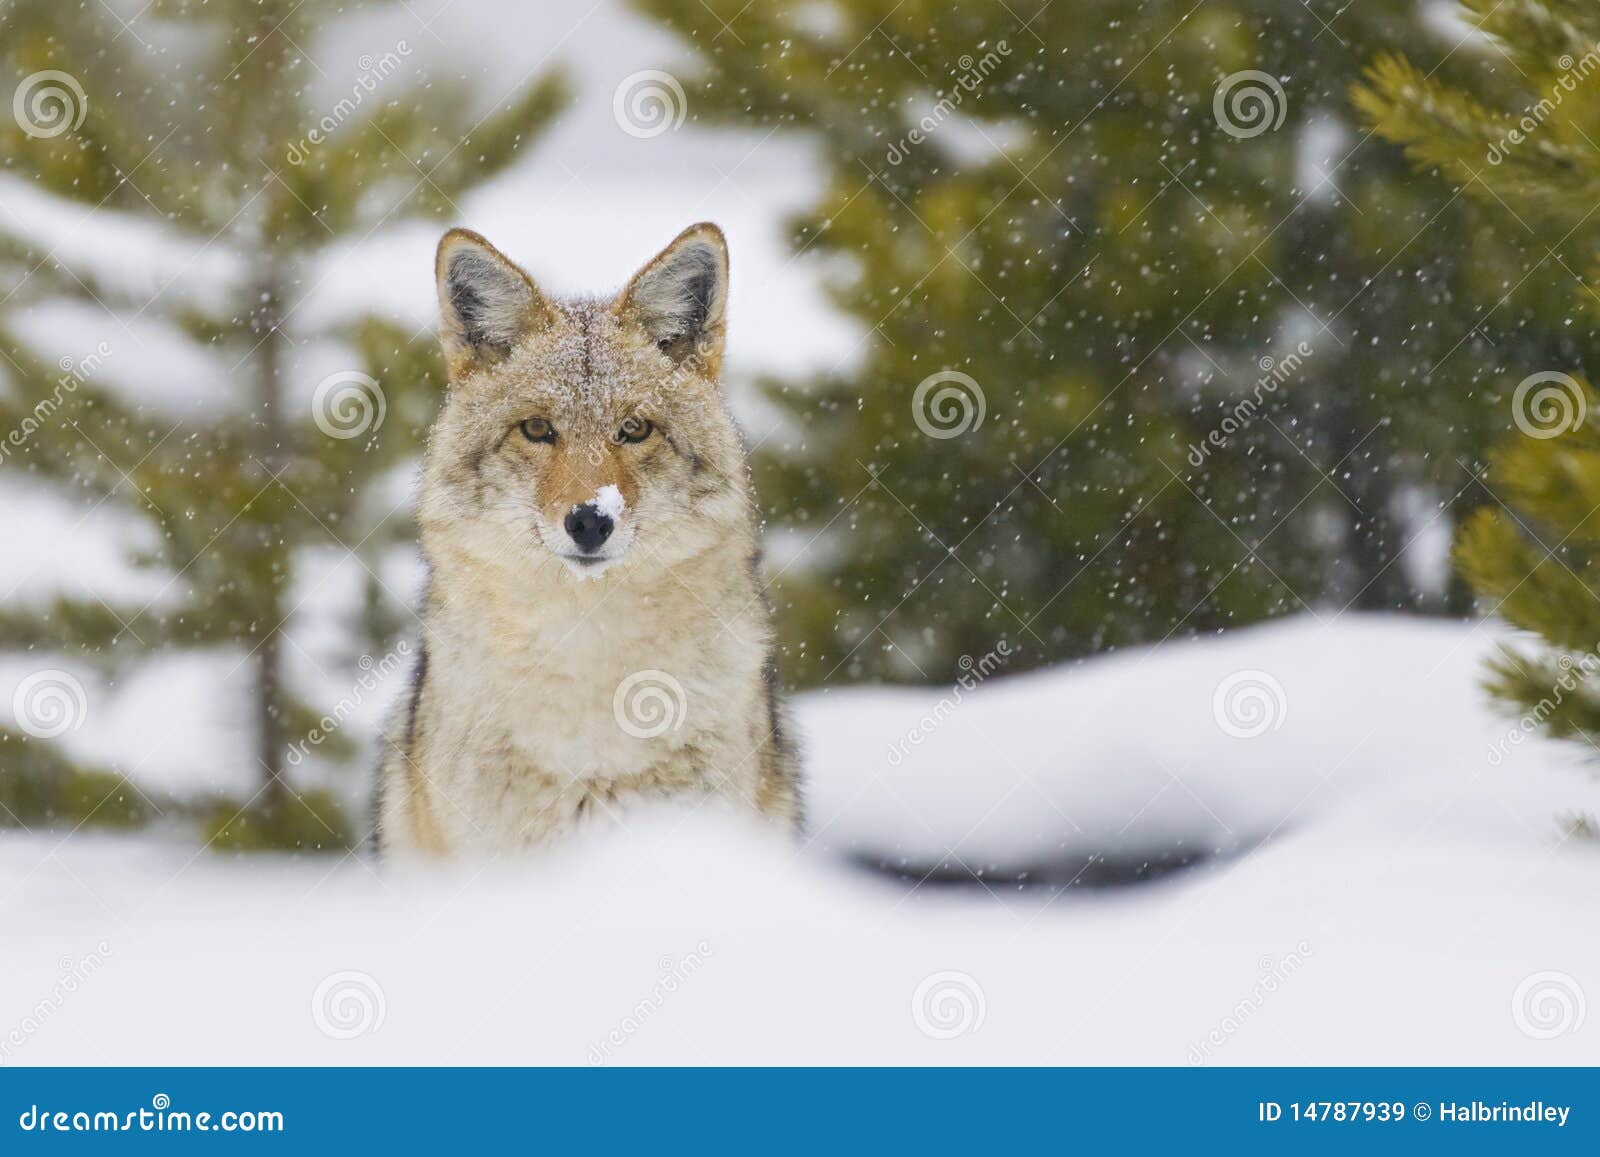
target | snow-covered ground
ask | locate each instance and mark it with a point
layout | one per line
(1386, 880)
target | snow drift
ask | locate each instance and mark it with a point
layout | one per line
(1372, 885)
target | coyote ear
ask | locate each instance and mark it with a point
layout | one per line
(681, 296)
(487, 304)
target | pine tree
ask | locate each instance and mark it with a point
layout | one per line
(1119, 221)
(206, 124)
(1522, 139)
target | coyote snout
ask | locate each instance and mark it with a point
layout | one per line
(593, 539)
(589, 526)
(588, 499)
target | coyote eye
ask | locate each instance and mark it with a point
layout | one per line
(538, 430)
(634, 430)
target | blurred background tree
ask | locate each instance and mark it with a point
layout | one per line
(1522, 140)
(204, 128)
(1118, 220)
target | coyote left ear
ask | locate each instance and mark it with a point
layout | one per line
(681, 296)
(486, 303)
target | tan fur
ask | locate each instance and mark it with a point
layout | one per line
(516, 731)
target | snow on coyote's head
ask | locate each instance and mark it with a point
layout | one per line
(589, 435)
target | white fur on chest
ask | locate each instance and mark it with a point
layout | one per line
(590, 682)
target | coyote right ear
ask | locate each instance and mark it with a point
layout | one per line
(488, 304)
(681, 296)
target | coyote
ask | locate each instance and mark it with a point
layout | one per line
(595, 626)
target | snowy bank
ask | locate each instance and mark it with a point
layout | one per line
(1375, 887)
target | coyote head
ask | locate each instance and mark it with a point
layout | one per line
(586, 434)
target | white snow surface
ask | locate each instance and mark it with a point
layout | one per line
(1409, 896)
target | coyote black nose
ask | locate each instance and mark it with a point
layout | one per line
(588, 527)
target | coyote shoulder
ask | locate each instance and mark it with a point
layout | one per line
(595, 626)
